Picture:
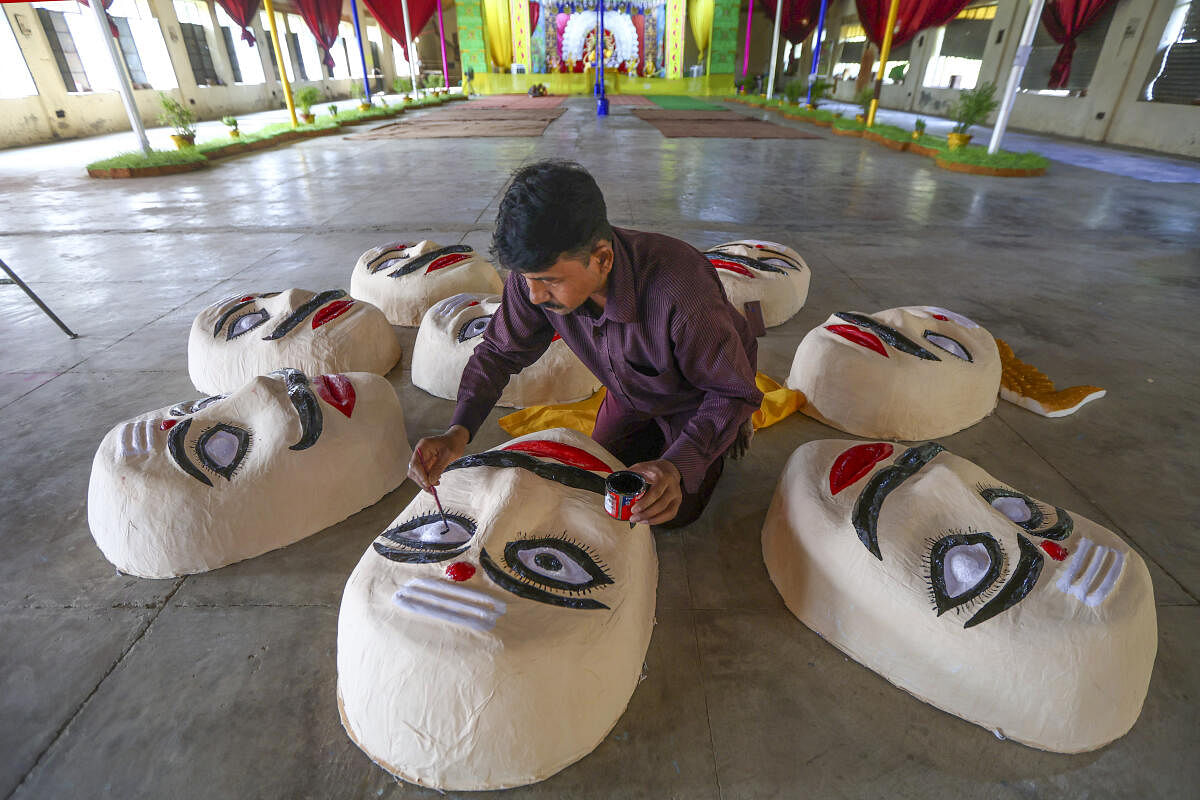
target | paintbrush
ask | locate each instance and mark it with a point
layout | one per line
(433, 491)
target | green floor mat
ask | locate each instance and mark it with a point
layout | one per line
(681, 102)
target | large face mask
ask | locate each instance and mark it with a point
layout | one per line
(904, 373)
(771, 274)
(406, 278)
(208, 482)
(318, 333)
(497, 649)
(448, 336)
(990, 604)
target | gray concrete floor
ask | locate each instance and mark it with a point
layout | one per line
(222, 685)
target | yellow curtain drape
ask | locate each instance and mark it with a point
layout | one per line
(498, 32)
(700, 17)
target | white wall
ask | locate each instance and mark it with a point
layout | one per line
(1110, 112)
(36, 119)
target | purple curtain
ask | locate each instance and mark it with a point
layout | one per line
(914, 16)
(242, 12)
(322, 17)
(1065, 20)
(798, 20)
(390, 16)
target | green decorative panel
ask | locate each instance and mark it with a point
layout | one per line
(726, 22)
(471, 48)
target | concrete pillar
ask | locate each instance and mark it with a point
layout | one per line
(388, 57)
(220, 54)
(164, 12)
(52, 93)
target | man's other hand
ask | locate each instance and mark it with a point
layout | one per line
(433, 454)
(661, 502)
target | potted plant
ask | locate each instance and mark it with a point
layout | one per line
(793, 90)
(863, 99)
(332, 111)
(918, 129)
(233, 126)
(972, 107)
(305, 98)
(361, 93)
(820, 89)
(178, 116)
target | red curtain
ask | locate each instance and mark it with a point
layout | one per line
(243, 13)
(390, 16)
(639, 26)
(798, 20)
(1065, 20)
(535, 11)
(112, 26)
(914, 16)
(322, 17)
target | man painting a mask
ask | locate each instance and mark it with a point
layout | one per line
(644, 312)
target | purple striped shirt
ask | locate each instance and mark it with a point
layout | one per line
(667, 345)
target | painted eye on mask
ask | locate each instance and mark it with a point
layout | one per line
(222, 448)
(427, 539)
(1039, 519)
(192, 406)
(543, 566)
(948, 344)
(246, 322)
(964, 566)
(474, 328)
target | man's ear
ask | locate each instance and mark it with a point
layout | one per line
(603, 251)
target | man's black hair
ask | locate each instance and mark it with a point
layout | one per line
(550, 209)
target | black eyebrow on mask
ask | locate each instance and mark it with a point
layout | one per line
(890, 335)
(429, 258)
(221, 322)
(307, 408)
(178, 451)
(572, 477)
(866, 509)
(752, 263)
(302, 313)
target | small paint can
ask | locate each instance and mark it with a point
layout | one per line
(621, 490)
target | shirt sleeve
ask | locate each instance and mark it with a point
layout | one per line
(712, 357)
(517, 336)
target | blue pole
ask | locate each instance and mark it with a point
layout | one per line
(601, 99)
(361, 55)
(816, 61)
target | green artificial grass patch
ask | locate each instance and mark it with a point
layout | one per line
(678, 102)
(892, 132)
(155, 158)
(848, 123)
(978, 156)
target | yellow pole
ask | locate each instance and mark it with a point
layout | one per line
(287, 87)
(885, 50)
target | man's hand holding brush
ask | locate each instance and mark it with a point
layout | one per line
(434, 453)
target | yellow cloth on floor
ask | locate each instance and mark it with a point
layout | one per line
(778, 402)
(580, 416)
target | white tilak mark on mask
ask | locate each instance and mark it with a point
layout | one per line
(137, 438)
(1089, 561)
(446, 601)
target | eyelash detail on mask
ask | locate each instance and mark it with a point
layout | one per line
(940, 602)
(245, 440)
(1039, 513)
(410, 551)
(516, 578)
(604, 577)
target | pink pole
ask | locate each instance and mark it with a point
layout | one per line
(442, 39)
(746, 53)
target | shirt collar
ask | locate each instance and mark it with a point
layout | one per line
(620, 304)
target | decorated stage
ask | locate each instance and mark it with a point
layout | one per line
(583, 83)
